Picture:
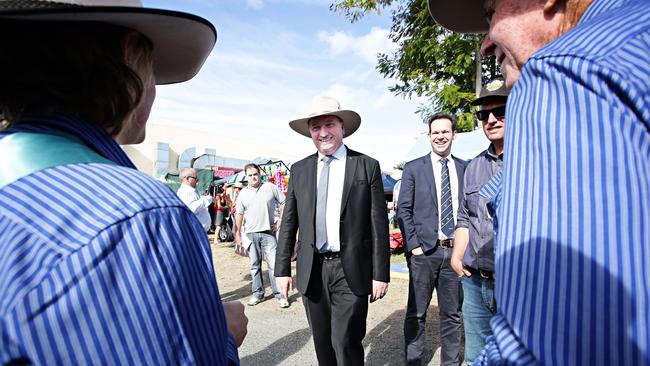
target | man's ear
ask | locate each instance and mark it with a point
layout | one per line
(551, 7)
(129, 39)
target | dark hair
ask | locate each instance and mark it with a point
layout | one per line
(74, 68)
(252, 166)
(441, 115)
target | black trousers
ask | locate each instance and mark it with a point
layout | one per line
(337, 317)
(428, 272)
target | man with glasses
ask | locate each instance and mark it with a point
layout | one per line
(188, 194)
(473, 254)
(430, 193)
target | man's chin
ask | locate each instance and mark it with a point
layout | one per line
(510, 74)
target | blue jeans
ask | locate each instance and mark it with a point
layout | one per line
(478, 309)
(267, 243)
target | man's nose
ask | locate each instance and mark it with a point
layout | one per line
(487, 46)
(492, 118)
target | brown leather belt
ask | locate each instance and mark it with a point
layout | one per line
(447, 243)
(488, 275)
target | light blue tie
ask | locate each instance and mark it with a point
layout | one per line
(321, 203)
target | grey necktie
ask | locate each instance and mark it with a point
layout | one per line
(446, 207)
(321, 203)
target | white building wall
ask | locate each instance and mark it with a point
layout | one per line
(179, 139)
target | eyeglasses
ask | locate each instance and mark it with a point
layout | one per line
(498, 112)
(189, 176)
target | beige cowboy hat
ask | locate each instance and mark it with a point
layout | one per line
(327, 106)
(463, 16)
(181, 41)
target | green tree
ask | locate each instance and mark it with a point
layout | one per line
(430, 61)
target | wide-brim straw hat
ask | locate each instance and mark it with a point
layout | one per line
(463, 16)
(327, 106)
(181, 41)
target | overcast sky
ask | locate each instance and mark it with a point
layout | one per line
(271, 58)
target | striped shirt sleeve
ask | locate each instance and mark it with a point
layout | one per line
(141, 292)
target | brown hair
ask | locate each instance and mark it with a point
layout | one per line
(448, 116)
(252, 166)
(573, 11)
(73, 68)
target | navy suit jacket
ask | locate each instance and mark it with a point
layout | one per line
(417, 206)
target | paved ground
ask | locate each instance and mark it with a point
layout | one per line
(281, 336)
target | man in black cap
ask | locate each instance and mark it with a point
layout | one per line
(475, 262)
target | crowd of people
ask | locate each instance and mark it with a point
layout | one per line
(540, 241)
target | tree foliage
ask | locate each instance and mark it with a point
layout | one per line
(429, 61)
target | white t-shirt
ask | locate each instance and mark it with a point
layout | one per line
(258, 206)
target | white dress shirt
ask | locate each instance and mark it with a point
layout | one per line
(198, 205)
(453, 181)
(334, 197)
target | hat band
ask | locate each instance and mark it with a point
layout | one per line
(322, 113)
(34, 4)
(21, 5)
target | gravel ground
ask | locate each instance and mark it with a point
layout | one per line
(282, 337)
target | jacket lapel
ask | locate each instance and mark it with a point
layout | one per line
(311, 181)
(460, 172)
(428, 175)
(350, 170)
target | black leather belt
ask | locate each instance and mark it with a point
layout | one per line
(447, 243)
(488, 275)
(328, 256)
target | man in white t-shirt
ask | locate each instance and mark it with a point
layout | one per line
(256, 204)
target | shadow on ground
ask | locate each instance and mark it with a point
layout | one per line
(384, 344)
(280, 350)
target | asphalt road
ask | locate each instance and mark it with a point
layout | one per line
(282, 337)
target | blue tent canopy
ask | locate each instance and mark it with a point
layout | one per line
(389, 183)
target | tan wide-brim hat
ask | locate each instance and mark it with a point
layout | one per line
(327, 106)
(181, 41)
(463, 16)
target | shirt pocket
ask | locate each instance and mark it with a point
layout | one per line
(476, 204)
(479, 216)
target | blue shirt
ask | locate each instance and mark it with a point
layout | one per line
(101, 264)
(573, 246)
(473, 212)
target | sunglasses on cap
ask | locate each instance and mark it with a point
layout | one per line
(484, 114)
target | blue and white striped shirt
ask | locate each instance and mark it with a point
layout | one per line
(101, 264)
(573, 246)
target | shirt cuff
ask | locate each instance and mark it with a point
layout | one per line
(231, 351)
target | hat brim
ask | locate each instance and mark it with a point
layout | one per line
(351, 122)
(463, 16)
(489, 99)
(182, 42)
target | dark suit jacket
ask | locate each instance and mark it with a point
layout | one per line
(417, 207)
(364, 224)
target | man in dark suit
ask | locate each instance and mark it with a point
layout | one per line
(429, 198)
(335, 200)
